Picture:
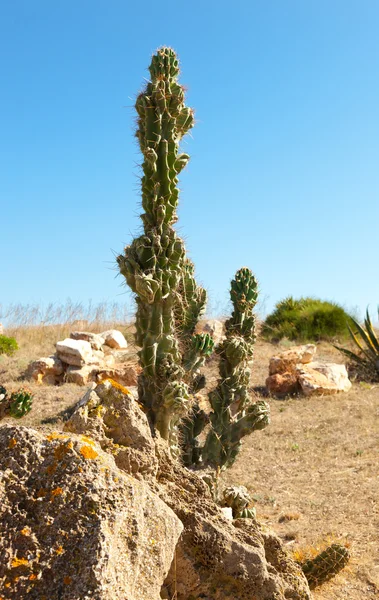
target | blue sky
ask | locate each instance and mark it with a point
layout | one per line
(283, 176)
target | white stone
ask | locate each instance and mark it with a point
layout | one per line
(227, 512)
(114, 339)
(286, 361)
(318, 378)
(74, 352)
(82, 375)
(94, 339)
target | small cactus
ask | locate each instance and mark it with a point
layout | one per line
(17, 405)
(325, 565)
(233, 414)
(238, 499)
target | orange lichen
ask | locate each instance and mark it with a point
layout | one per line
(88, 452)
(56, 436)
(59, 550)
(61, 450)
(8, 584)
(56, 492)
(67, 580)
(51, 469)
(117, 385)
(26, 531)
(12, 443)
(19, 562)
(33, 576)
(88, 440)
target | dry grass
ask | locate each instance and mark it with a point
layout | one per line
(313, 472)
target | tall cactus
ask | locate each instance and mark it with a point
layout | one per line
(233, 414)
(155, 264)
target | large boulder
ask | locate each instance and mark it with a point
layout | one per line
(74, 526)
(111, 415)
(74, 352)
(219, 558)
(281, 384)
(323, 378)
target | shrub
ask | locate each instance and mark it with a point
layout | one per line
(306, 319)
(8, 345)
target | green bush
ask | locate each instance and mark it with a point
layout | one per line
(8, 345)
(306, 319)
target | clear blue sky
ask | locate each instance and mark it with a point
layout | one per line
(284, 174)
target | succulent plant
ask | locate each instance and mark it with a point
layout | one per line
(233, 414)
(17, 405)
(325, 565)
(155, 265)
(366, 339)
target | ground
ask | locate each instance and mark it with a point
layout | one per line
(313, 473)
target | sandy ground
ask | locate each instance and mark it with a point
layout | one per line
(313, 473)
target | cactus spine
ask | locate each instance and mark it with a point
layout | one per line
(325, 565)
(233, 414)
(155, 264)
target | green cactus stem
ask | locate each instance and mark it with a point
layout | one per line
(233, 414)
(238, 499)
(155, 265)
(325, 565)
(17, 405)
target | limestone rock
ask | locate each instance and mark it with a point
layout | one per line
(216, 329)
(282, 384)
(221, 559)
(112, 416)
(323, 378)
(46, 370)
(126, 375)
(114, 339)
(94, 339)
(82, 375)
(74, 526)
(74, 352)
(286, 361)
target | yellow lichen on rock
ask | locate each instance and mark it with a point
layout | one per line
(88, 453)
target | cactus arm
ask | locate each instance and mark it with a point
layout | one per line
(325, 565)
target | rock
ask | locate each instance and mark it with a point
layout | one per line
(82, 375)
(94, 339)
(217, 558)
(114, 339)
(97, 357)
(227, 512)
(126, 375)
(216, 329)
(282, 384)
(74, 526)
(112, 416)
(286, 361)
(46, 370)
(74, 352)
(323, 378)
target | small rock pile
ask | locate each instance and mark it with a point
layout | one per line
(86, 357)
(295, 371)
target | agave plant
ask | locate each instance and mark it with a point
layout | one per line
(366, 339)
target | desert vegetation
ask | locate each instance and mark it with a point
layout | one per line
(202, 399)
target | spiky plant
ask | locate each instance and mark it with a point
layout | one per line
(367, 341)
(238, 499)
(155, 265)
(17, 405)
(233, 414)
(325, 565)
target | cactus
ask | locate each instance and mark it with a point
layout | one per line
(155, 265)
(325, 565)
(17, 405)
(238, 498)
(233, 415)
